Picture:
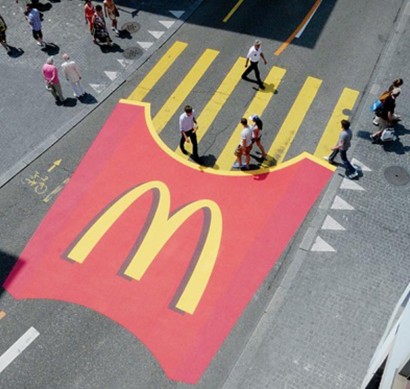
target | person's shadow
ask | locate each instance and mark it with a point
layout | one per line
(394, 146)
(124, 34)
(70, 102)
(15, 52)
(88, 99)
(40, 6)
(114, 48)
(51, 49)
(205, 160)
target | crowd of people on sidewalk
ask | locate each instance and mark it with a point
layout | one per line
(94, 18)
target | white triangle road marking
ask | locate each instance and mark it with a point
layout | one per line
(145, 45)
(349, 184)
(98, 87)
(156, 34)
(332, 224)
(360, 165)
(167, 23)
(340, 204)
(111, 75)
(177, 14)
(125, 62)
(322, 246)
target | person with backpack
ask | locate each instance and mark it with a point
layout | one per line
(3, 41)
(377, 106)
(386, 113)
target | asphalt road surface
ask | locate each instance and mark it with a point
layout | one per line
(318, 69)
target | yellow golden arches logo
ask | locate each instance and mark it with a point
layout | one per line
(161, 227)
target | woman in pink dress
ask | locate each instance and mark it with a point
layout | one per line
(89, 11)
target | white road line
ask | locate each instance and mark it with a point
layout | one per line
(18, 347)
(299, 34)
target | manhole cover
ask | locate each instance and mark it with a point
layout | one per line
(132, 52)
(397, 175)
(131, 27)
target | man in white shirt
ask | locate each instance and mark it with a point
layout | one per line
(188, 127)
(73, 75)
(254, 55)
(245, 147)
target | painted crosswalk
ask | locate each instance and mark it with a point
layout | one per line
(294, 119)
(258, 104)
(216, 103)
(201, 66)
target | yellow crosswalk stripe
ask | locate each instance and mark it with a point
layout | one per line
(294, 119)
(157, 71)
(184, 88)
(257, 106)
(330, 136)
(211, 110)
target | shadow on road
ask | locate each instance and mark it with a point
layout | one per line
(7, 263)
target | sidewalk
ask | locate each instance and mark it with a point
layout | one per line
(30, 120)
(350, 266)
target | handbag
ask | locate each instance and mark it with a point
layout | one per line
(116, 13)
(51, 88)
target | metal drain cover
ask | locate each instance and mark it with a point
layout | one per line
(131, 27)
(132, 52)
(397, 175)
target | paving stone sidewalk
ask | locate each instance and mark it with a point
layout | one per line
(30, 121)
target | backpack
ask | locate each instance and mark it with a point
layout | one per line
(377, 107)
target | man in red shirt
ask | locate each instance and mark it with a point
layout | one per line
(50, 74)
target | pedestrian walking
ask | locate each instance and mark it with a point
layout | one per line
(245, 146)
(89, 12)
(72, 75)
(111, 11)
(386, 114)
(100, 32)
(34, 19)
(257, 133)
(397, 83)
(188, 127)
(3, 39)
(50, 74)
(252, 59)
(341, 147)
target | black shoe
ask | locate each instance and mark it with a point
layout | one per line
(184, 152)
(261, 86)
